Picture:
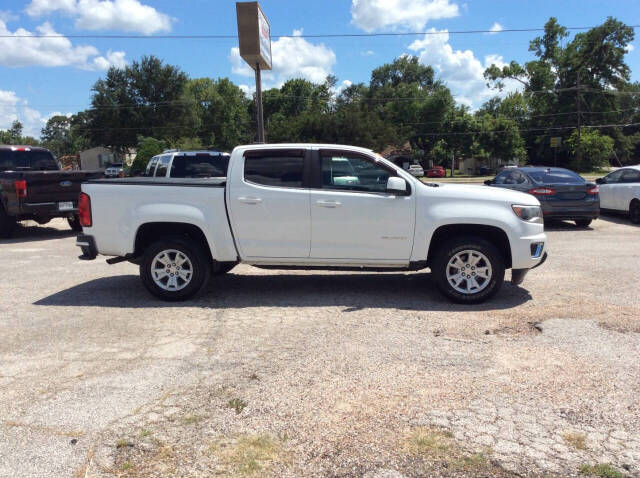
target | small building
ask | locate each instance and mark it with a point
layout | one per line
(96, 158)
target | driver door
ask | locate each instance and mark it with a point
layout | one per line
(352, 215)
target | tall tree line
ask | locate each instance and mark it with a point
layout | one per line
(149, 105)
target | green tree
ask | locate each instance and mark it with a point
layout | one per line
(147, 147)
(144, 98)
(596, 149)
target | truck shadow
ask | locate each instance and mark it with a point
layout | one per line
(617, 218)
(235, 291)
(32, 232)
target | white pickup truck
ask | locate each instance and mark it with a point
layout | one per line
(310, 206)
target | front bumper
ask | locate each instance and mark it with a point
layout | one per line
(518, 275)
(88, 246)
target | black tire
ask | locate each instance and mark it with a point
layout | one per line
(74, 223)
(7, 224)
(472, 243)
(583, 222)
(200, 268)
(634, 211)
(222, 268)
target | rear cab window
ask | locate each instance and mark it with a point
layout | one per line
(27, 160)
(556, 177)
(199, 165)
(283, 168)
(151, 167)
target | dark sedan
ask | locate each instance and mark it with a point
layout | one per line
(562, 193)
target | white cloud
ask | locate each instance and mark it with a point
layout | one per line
(495, 28)
(14, 108)
(123, 15)
(292, 57)
(113, 58)
(370, 15)
(367, 53)
(629, 48)
(7, 16)
(339, 88)
(460, 70)
(59, 51)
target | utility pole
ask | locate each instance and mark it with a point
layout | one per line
(579, 112)
(259, 115)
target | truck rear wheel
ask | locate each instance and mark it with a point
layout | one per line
(74, 223)
(175, 268)
(469, 270)
(7, 223)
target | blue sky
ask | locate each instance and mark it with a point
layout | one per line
(40, 77)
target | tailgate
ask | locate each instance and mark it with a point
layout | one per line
(55, 186)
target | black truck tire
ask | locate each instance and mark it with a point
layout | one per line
(175, 268)
(7, 223)
(74, 223)
(468, 270)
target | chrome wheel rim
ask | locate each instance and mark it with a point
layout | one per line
(469, 272)
(171, 270)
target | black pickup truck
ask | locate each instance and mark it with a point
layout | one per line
(32, 186)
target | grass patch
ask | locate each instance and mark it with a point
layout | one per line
(145, 434)
(249, 455)
(126, 466)
(430, 441)
(192, 419)
(237, 404)
(440, 444)
(601, 470)
(576, 440)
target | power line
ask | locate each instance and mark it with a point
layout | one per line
(319, 35)
(525, 130)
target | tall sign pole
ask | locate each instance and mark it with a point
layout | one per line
(254, 37)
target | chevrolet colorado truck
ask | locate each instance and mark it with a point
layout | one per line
(32, 186)
(310, 206)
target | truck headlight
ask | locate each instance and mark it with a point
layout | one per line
(528, 213)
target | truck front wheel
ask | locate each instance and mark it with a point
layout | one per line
(175, 268)
(469, 270)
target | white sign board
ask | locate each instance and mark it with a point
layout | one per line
(265, 37)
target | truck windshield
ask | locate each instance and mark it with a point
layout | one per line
(199, 166)
(27, 160)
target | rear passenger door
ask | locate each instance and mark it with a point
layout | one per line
(629, 185)
(608, 190)
(269, 204)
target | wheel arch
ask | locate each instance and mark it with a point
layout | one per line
(151, 232)
(498, 237)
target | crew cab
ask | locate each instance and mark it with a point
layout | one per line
(32, 186)
(188, 164)
(293, 206)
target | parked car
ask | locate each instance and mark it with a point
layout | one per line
(416, 170)
(32, 186)
(281, 206)
(562, 193)
(188, 164)
(114, 170)
(436, 172)
(620, 191)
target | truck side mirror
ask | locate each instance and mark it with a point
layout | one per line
(397, 186)
(489, 182)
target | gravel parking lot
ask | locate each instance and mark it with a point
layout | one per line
(320, 374)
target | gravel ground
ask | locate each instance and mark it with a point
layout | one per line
(320, 374)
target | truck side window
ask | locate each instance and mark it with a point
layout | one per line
(348, 171)
(151, 167)
(274, 169)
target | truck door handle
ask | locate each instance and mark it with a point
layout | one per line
(328, 203)
(249, 200)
